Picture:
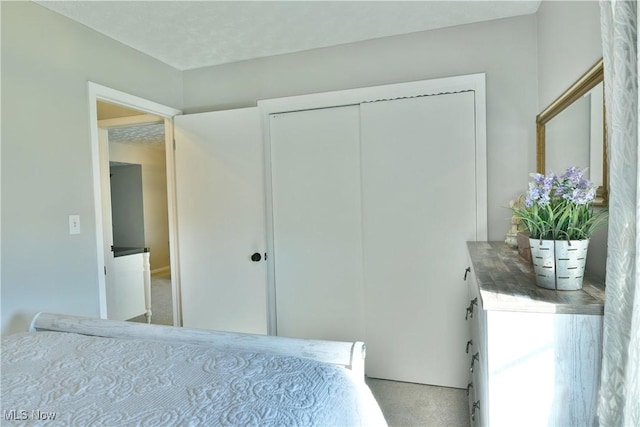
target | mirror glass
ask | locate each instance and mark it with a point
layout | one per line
(571, 132)
(574, 137)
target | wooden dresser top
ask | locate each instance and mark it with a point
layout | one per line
(506, 283)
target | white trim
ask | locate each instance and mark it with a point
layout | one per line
(97, 200)
(370, 94)
(272, 327)
(142, 119)
(133, 102)
(98, 92)
(172, 204)
(471, 82)
(481, 157)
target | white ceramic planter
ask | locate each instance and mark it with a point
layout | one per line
(559, 264)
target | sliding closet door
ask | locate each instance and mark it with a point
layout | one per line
(315, 162)
(221, 220)
(419, 195)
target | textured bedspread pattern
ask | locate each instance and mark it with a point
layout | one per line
(85, 381)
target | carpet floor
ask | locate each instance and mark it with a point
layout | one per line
(408, 404)
(161, 302)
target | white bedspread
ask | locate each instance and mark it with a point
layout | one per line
(83, 381)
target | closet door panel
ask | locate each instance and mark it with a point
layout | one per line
(418, 175)
(315, 158)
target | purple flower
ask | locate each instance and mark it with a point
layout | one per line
(570, 186)
(573, 175)
(538, 178)
(544, 199)
(581, 196)
(585, 183)
(540, 189)
(548, 181)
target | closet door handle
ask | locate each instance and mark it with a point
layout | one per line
(467, 271)
(256, 257)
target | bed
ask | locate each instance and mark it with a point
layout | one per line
(70, 370)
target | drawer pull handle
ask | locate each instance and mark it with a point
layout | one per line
(473, 360)
(469, 343)
(476, 405)
(467, 271)
(469, 387)
(470, 308)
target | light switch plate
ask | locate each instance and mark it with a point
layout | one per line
(74, 224)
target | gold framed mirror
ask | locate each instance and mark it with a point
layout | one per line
(572, 132)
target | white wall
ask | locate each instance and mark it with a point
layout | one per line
(46, 155)
(503, 49)
(154, 195)
(569, 43)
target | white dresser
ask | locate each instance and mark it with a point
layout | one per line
(534, 354)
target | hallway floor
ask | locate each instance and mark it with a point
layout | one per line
(161, 306)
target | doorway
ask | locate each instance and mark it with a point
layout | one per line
(132, 139)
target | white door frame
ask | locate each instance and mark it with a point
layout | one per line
(470, 82)
(98, 92)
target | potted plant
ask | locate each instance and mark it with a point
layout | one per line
(558, 215)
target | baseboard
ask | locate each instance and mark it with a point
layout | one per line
(162, 271)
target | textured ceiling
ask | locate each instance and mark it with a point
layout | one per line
(148, 135)
(194, 34)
